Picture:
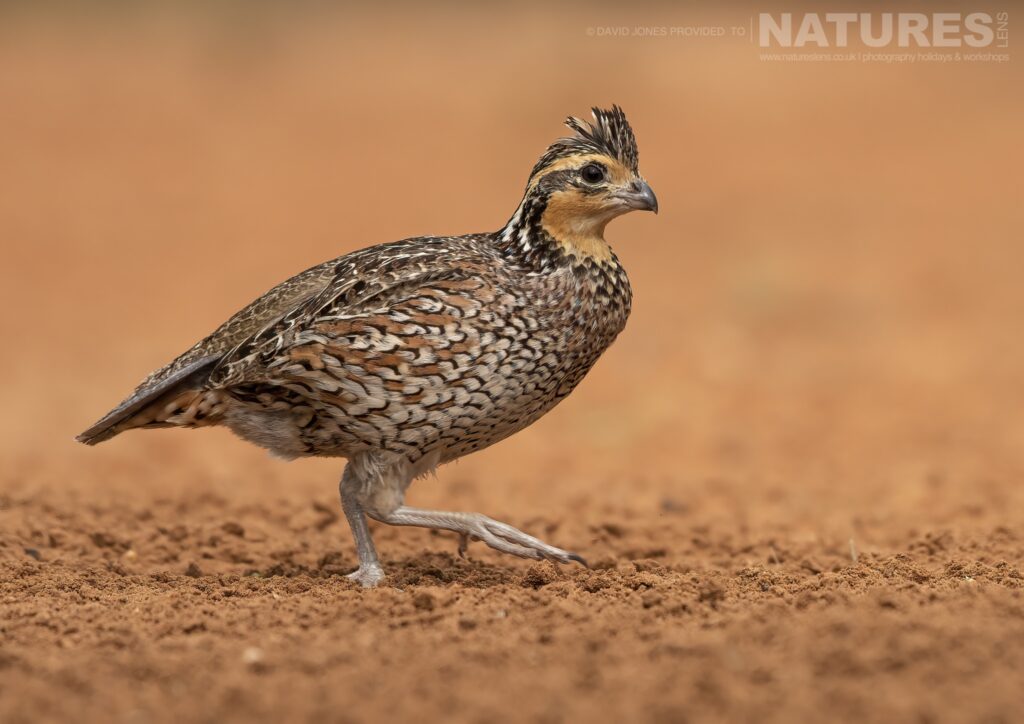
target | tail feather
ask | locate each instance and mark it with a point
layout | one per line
(121, 417)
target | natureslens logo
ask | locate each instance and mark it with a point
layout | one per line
(872, 37)
(883, 30)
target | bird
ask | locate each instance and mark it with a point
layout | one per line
(404, 356)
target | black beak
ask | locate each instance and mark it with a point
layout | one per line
(640, 197)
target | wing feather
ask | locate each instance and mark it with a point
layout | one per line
(345, 285)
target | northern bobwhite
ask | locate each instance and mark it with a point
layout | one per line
(405, 356)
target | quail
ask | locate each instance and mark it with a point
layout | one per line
(404, 356)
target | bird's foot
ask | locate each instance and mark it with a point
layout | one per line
(507, 539)
(368, 575)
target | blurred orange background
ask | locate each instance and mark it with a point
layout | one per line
(838, 248)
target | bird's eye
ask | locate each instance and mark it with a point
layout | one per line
(592, 173)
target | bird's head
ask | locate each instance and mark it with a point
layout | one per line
(581, 183)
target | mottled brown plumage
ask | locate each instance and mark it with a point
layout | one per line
(404, 356)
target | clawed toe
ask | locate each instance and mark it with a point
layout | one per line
(578, 559)
(474, 526)
(367, 576)
(507, 539)
(464, 541)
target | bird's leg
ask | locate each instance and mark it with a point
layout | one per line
(369, 573)
(499, 536)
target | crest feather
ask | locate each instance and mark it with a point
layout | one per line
(610, 134)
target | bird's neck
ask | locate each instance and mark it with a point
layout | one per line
(546, 231)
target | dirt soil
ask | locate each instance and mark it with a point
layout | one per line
(798, 475)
